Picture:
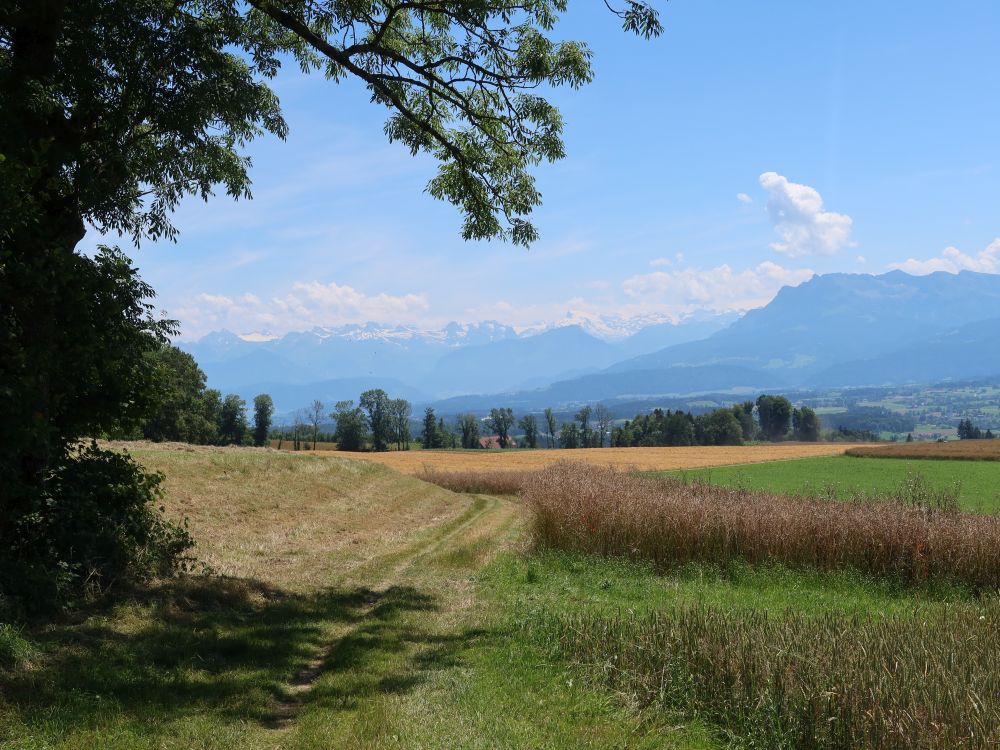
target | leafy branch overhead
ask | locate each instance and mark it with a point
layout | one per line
(461, 79)
(132, 127)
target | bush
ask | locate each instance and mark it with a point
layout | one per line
(96, 526)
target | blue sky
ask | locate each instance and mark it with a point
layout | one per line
(750, 146)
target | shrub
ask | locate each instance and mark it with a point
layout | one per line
(97, 525)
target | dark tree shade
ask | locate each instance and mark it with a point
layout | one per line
(263, 410)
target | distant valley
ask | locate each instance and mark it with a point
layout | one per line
(835, 330)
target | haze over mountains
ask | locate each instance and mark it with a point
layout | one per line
(831, 331)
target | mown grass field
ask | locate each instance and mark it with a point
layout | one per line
(648, 459)
(978, 482)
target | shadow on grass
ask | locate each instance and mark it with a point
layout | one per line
(224, 647)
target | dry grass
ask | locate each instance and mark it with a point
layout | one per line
(305, 444)
(290, 519)
(832, 682)
(496, 482)
(645, 459)
(609, 512)
(959, 450)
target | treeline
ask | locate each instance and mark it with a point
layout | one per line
(872, 420)
(967, 430)
(769, 418)
(186, 411)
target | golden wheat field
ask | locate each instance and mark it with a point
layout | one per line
(646, 459)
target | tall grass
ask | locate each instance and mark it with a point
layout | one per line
(478, 481)
(913, 536)
(833, 682)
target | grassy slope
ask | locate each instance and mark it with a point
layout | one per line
(346, 617)
(979, 480)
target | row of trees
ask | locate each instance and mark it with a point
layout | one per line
(969, 431)
(376, 419)
(186, 411)
(769, 418)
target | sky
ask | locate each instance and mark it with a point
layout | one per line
(749, 147)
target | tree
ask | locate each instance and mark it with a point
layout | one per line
(233, 420)
(909, 437)
(352, 426)
(112, 111)
(550, 425)
(399, 416)
(263, 410)
(569, 435)
(719, 427)
(446, 439)
(583, 417)
(500, 421)
(806, 424)
(183, 410)
(529, 423)
(429, 435)
(468, 426)
(315, 415)
(968, 431)
(744, 413)
(775, 415)
(376, 403)
(604, 418)
(678, 429)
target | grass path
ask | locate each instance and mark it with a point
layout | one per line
(395, 565)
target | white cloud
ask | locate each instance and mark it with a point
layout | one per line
(719, 288)
(953, 260)
(744, 198)
(803, 227)
(305, 305)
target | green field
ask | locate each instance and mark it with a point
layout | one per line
(978, 481)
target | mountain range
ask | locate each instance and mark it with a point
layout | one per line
(834, 330)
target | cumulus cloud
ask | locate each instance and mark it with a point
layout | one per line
(803, 226)
(304, 305)
(744, 198)
(953, 260)
(719, 288)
